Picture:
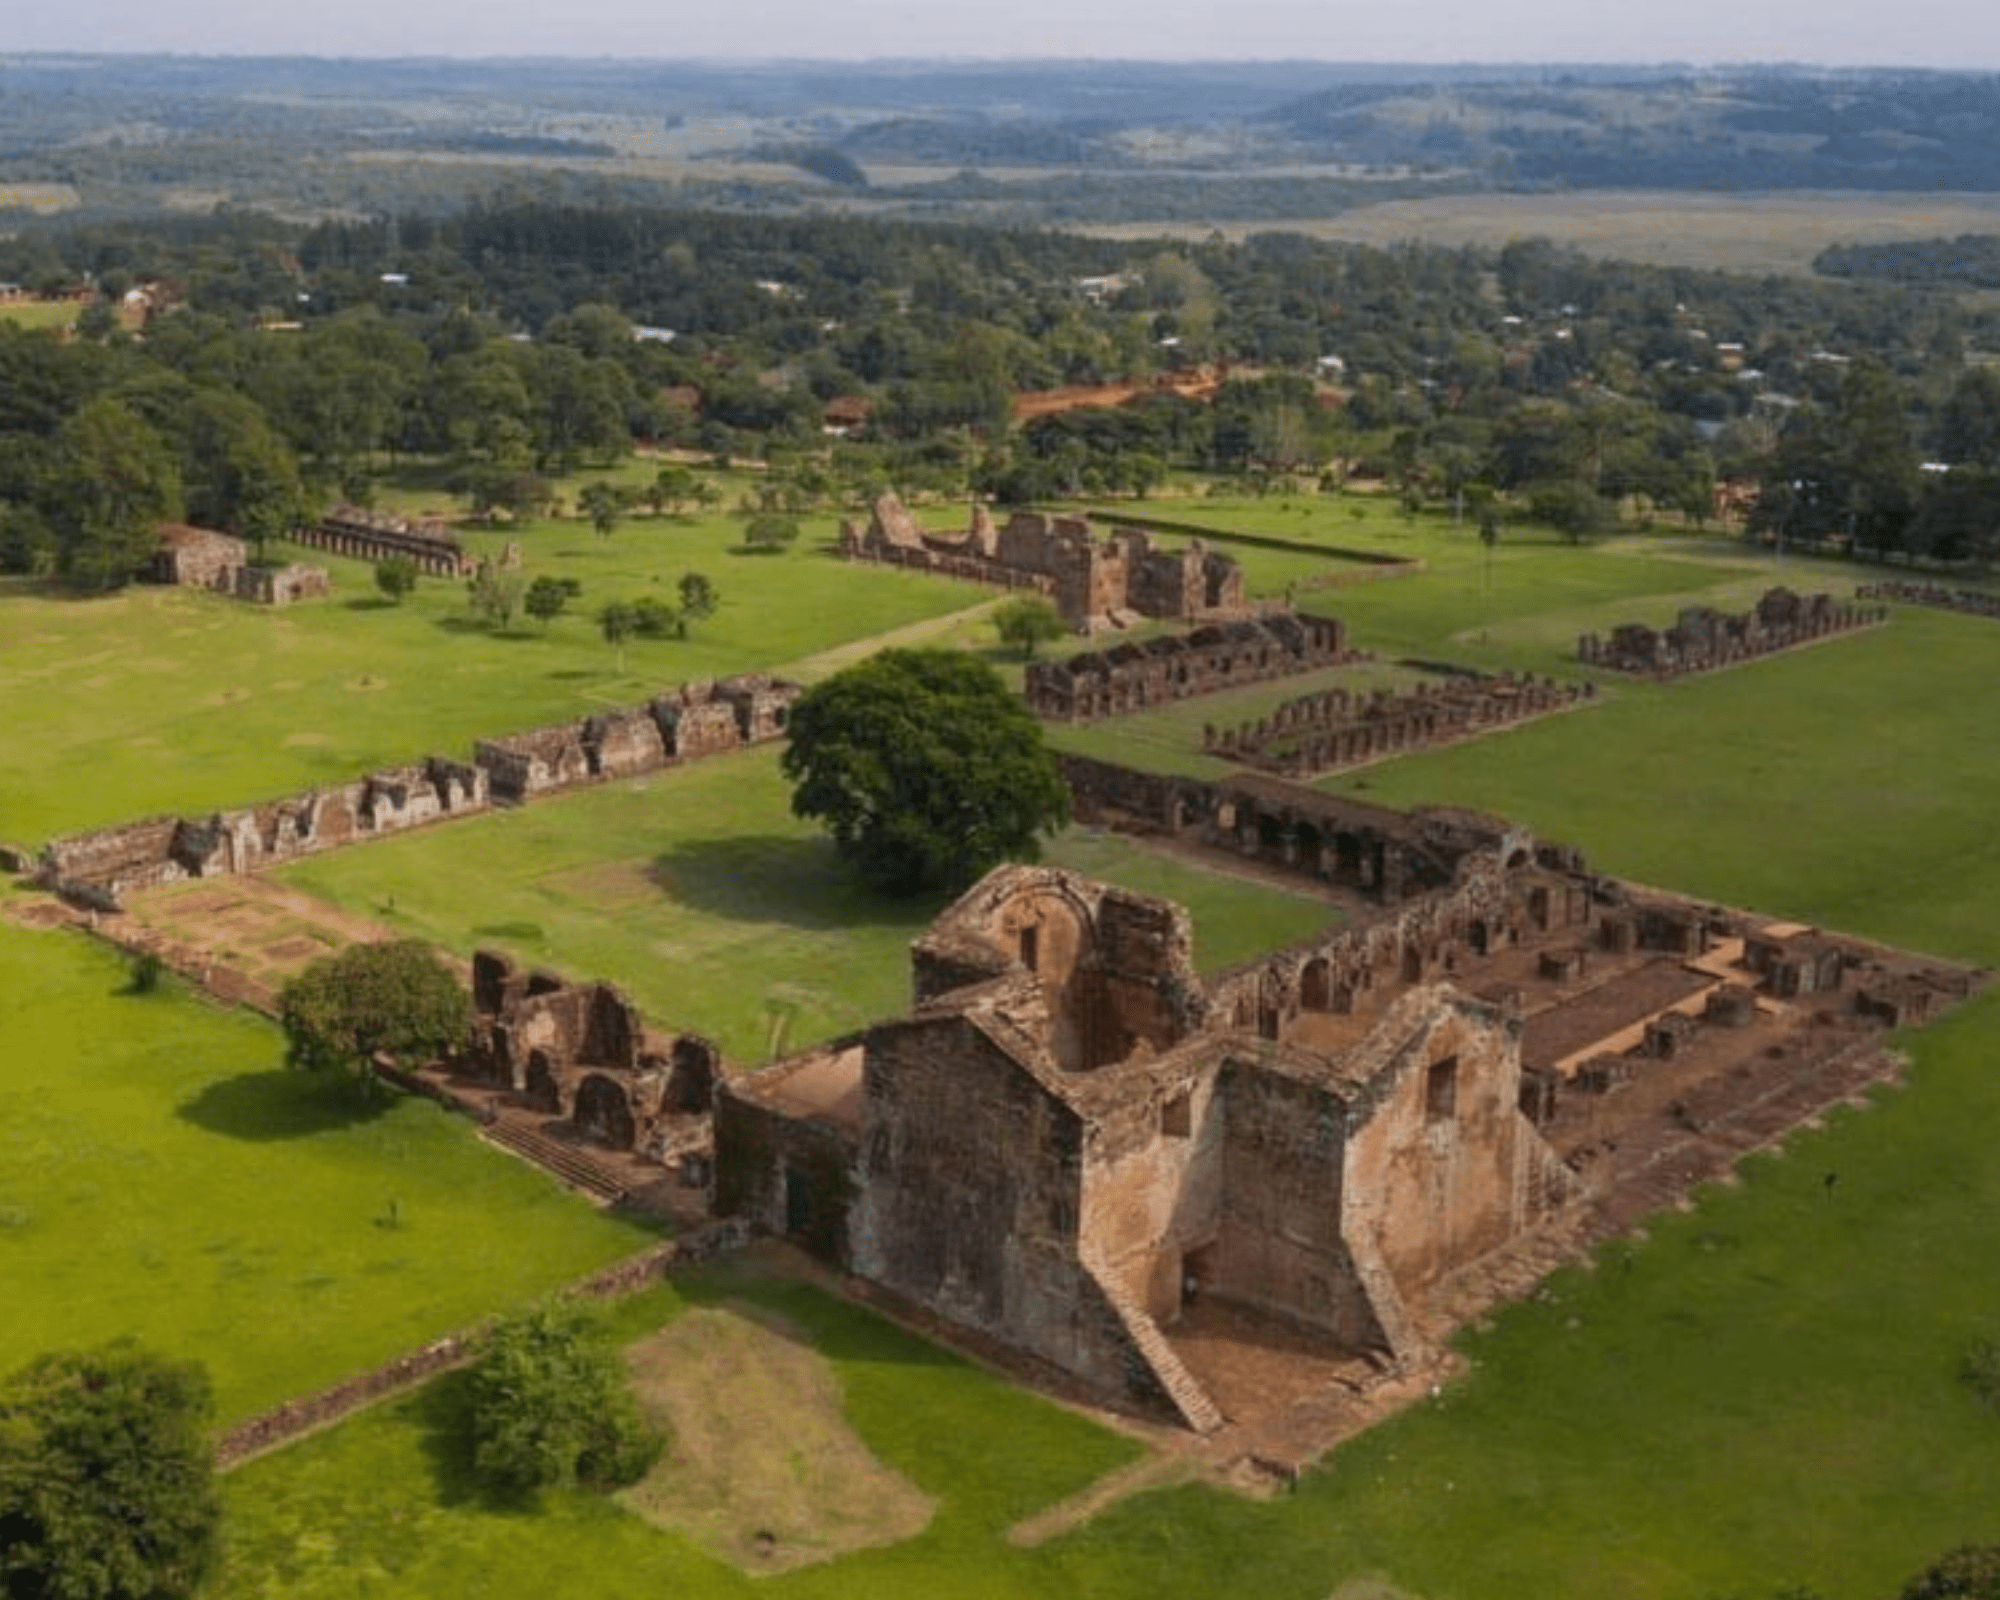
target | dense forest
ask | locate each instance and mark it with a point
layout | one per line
(280, 364)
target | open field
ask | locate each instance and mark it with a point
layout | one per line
(153, 700)
(163, 1174)
(715, 908)
(41, 313)
(1731, 232)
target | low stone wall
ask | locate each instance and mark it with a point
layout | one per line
(1973, 602)
(1339, 728)
(99, 867)
(287, 1421)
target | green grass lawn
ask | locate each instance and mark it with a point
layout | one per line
(163, 1174)
(702, 895)
(381, 1506)
(153, 700)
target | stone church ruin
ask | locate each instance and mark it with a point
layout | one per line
(1094, 583)
(1077, 1146)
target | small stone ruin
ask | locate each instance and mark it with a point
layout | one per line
(581, 1052)
(1703, 639)
(1207, 660)
(1339, 728)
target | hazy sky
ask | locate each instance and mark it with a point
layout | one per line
(1945, 33)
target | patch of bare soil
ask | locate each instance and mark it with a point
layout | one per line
(763, 1469)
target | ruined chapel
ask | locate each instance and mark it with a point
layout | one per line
(1078, 1147)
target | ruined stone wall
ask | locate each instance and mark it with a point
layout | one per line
(282, 586)
(1436, 1175)
(969, 1191)
(364, 535)
(1278, 1246)
(199, 558)
(698, 719)
(1207, 660)
(1973, 602)
(1091, 581)
(582, 1052)
(1153, 1182)
(1703, 640)
(1340, 728)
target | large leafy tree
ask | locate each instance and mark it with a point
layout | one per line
(397, 998)
(552, 1408)
(112, 482)
(107, 1487)
(926, 769)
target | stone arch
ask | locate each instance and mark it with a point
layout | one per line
(1316, 986)
(604, 1111)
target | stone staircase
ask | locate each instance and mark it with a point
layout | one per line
(574, 1166)
(1182, 1388)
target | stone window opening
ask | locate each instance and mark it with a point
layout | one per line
(1031, 940)
(1441, 1090)
(1177, 1115)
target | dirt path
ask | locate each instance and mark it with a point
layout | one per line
(1157, 1469)
(809, 669)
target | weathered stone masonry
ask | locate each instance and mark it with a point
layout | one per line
(1094, 583)
(1076, 1145)
(1207, 660)
(1703, 639)
(1339, 728)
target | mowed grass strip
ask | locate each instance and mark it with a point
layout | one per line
(699, 892)
(163, 1174)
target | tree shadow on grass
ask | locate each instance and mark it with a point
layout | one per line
(442, 1413)
(771, 878)
(262, 1107)
(370, 602)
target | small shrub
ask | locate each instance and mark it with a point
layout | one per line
(552, 1408)
(147, 971)
(1979, 1370)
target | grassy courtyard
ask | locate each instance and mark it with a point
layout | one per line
(153, 700)
(716, 909)
(163, 1174)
